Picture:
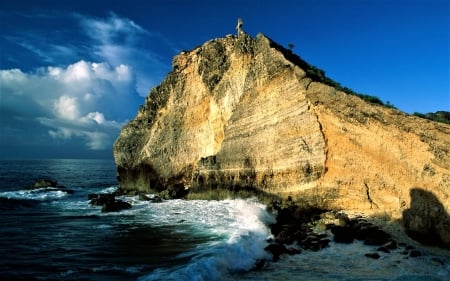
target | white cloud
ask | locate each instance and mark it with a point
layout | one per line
(12, 80)
(98, 71)
(97, 117)
(79, 71)
(112, 30)
(93, 140)
(96, 140)
(61, 133)
(119, 41)
(85, 100)
(66, 107)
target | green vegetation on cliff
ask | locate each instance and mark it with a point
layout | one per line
(318, 75)
(438, 116)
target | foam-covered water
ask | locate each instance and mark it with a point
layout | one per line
(240, 225)
(348, 262)
(49, 234)
(40, 194)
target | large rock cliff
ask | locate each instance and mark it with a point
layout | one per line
(243, 113)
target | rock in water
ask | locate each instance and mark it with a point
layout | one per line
(276, 250)
(108, 202)
(40, 183)
(101, 199)
(243, 113)
(343, 234)
(115, 206)
(373, 255)
(48, 185)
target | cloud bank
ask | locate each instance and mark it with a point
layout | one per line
(84, 100)
(81, 105)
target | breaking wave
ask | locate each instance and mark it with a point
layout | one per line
(242, 228)
(40, 194)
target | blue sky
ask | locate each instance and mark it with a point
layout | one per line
(73, 72)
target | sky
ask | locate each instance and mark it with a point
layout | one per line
(72, 73)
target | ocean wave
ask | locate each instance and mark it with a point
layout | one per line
(109, 189)
(242, 224)
(39, 194)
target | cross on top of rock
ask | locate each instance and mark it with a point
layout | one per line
(239, 25)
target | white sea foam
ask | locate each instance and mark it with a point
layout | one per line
(241, 224)
(110, 189)
(348, 262)
(41, 194)
(242, 228)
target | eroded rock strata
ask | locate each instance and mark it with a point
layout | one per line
(240, 113)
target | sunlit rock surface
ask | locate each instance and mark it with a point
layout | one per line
(240, 113)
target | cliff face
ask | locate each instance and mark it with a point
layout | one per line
(240, 113)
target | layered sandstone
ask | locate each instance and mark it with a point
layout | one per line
(242, 113)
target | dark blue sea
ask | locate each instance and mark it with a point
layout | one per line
(48, 234)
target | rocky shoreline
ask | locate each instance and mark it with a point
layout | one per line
(312, 229)
(298, 229)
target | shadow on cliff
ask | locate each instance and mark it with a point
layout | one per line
(427, 221)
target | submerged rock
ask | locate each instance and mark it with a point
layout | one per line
(373, 255)
(374, 236)
(108, 202)
(175, 191)
(343, 234)
(47, 185)
(115, 206)
(41, 183)
(415, 253)
(277, 250)
(101, 199)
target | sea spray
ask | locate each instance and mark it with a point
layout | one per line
(40, 194)
(243, 226)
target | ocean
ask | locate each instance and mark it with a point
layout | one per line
(50, 234)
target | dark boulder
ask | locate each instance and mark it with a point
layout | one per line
(293, 251)
(47, 185)
(101, 199)
(108, 202)
(315, 242)
(415, 254)
(343, 234)
(373, 255)
(276, 250)
(42, 183)
(375, 237)
(383, 249)
(290, 233)
(115, 206)
(175, 191)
